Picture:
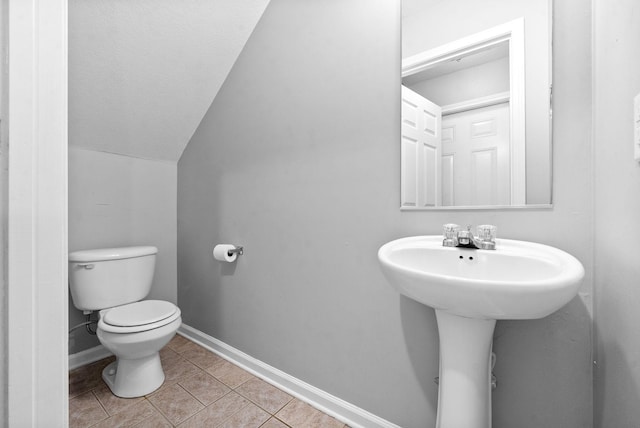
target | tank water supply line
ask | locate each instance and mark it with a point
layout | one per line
(79, 325)
(87, 323)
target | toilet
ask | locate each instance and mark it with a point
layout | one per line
(113, 281)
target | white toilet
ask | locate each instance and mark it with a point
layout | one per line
(114, 281)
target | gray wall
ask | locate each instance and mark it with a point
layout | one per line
(297, 159)
(116, 201)
(617, 81)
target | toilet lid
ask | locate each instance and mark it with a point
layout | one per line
(139, 313)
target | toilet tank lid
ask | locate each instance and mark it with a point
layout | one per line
(104, 254)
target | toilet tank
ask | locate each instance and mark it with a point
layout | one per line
(108, 277)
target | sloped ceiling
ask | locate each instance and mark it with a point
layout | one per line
(143, 73)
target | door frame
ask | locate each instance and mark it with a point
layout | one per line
(36, 260)
(513, 32)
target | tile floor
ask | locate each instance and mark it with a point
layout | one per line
(200, 390)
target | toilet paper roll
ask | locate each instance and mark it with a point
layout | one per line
(221, 253)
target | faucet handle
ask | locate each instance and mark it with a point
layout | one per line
(450, 230)
(486, 232)
(450, 233)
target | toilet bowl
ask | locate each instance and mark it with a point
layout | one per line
(135, 333)
(114, 281)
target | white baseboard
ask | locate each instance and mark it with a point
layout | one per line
(345, 412)
(88, 356)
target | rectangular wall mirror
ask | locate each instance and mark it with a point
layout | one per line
(476, 104)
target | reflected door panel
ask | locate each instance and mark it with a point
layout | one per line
(421, 151)
(475, 157)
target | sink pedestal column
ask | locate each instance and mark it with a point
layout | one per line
(464, 392)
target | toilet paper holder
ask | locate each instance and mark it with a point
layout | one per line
(237, 250)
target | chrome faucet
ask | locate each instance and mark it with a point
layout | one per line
(485, 239)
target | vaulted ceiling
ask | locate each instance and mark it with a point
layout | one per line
(143, 73)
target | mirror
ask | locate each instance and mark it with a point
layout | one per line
(476, 104)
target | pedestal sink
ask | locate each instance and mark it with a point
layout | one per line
(471, 289)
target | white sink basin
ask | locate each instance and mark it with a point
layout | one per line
(517, 280)
(470, 290)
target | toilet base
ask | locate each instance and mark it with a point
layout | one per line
(129, 378)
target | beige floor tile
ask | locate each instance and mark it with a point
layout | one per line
(85, 410)
(154, 421)
(162, 388)
(175, 404)
(301, 415)
(251, 416)
(92, 404)
(204, 387)
(218, 412)
(167, 354)
(264, 395)
(169, 359)
(179, 370)
(112, 403)
(201, 357)
(129, 417)
(229, 374)
(174, 372)
(86, 378)
(178, 342)
(188, 346)
(274, 423)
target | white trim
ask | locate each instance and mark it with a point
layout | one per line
(513, 32)
(489, 100)
(517, 104)
(461, 47)
(88, 356)
(345, 412)
(484, 207)
(37, 226)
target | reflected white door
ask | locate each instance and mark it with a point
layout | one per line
(475, 157)
(420, 151)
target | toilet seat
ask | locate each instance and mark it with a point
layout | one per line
(139, 316)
